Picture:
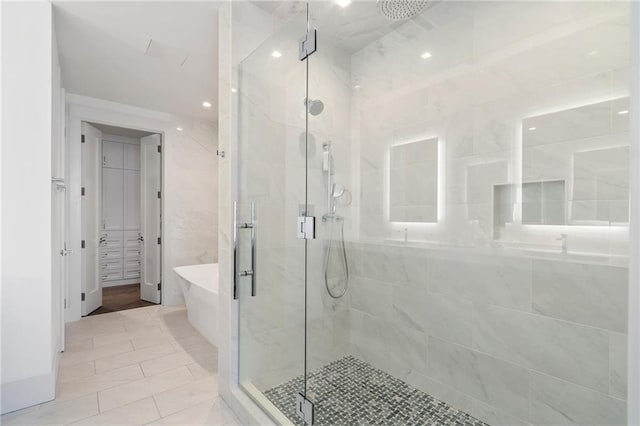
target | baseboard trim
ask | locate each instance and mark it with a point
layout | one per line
(28, 392)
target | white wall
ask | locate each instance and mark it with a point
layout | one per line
(28, 358)
(190, 169)
(58, 201)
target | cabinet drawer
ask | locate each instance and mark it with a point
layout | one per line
(131, 273)
(131, 239)
(132, 252)
(111, 253)
(112, 239)
(111, 275)
(113, 264)
(133, 262)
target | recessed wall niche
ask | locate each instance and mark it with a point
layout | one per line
(413, 182)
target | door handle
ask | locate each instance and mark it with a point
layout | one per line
(64, 250)
(251, 272)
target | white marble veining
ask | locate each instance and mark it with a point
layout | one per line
(572, 352)
(556, 402)
(496, 382)
(618, 363)
(191, 204)
(585, 294)
(487, 279)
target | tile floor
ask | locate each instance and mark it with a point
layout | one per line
(349, 391)
(135, 367)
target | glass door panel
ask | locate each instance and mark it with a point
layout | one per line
(484, 249)
(271, 132)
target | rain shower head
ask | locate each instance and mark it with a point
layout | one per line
(398, 10)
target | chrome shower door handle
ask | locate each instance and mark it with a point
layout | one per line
(236, 261)
(253, 249)
(235, 250)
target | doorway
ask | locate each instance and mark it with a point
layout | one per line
(121, 218)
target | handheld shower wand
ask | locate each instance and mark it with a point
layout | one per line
(336, 252)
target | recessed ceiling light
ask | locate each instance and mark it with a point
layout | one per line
(623, 112)
(343, 3)
(206, 104)
(426, 55)
(276, 54)
(179, 128)
(357, 86)
(592, 53)
(234, 90)
(532, 128)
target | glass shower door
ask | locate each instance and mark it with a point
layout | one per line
(479, 273)
(270, 256)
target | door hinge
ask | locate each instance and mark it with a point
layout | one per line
(159, 240)
(82, 244)
(82, 139)
(304, 409)
(307, 44)
(159, 286)
(159, 148)
(82, 191)
(65, 303)
(82, 297)
(158, 194)
(306, 227)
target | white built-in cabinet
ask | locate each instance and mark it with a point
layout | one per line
(121, 241)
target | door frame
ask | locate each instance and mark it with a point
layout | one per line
(98, 111)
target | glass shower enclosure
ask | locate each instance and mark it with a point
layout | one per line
(432, 211)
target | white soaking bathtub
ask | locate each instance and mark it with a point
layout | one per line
(200, 289)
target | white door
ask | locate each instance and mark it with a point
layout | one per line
(131, 209)
(150, 184)
(131, 156)
(91, 227)
(112, 154)
(112, 199)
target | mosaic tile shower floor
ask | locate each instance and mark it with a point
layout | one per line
(351, 392)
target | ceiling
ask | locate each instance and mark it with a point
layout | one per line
(350, 28)
(157, 55)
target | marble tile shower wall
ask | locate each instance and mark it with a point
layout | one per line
(492, 65)
(509, 340)
(272, 174)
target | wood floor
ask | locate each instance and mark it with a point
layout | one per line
(120, 298)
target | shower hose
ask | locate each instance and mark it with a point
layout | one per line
(335, 247)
